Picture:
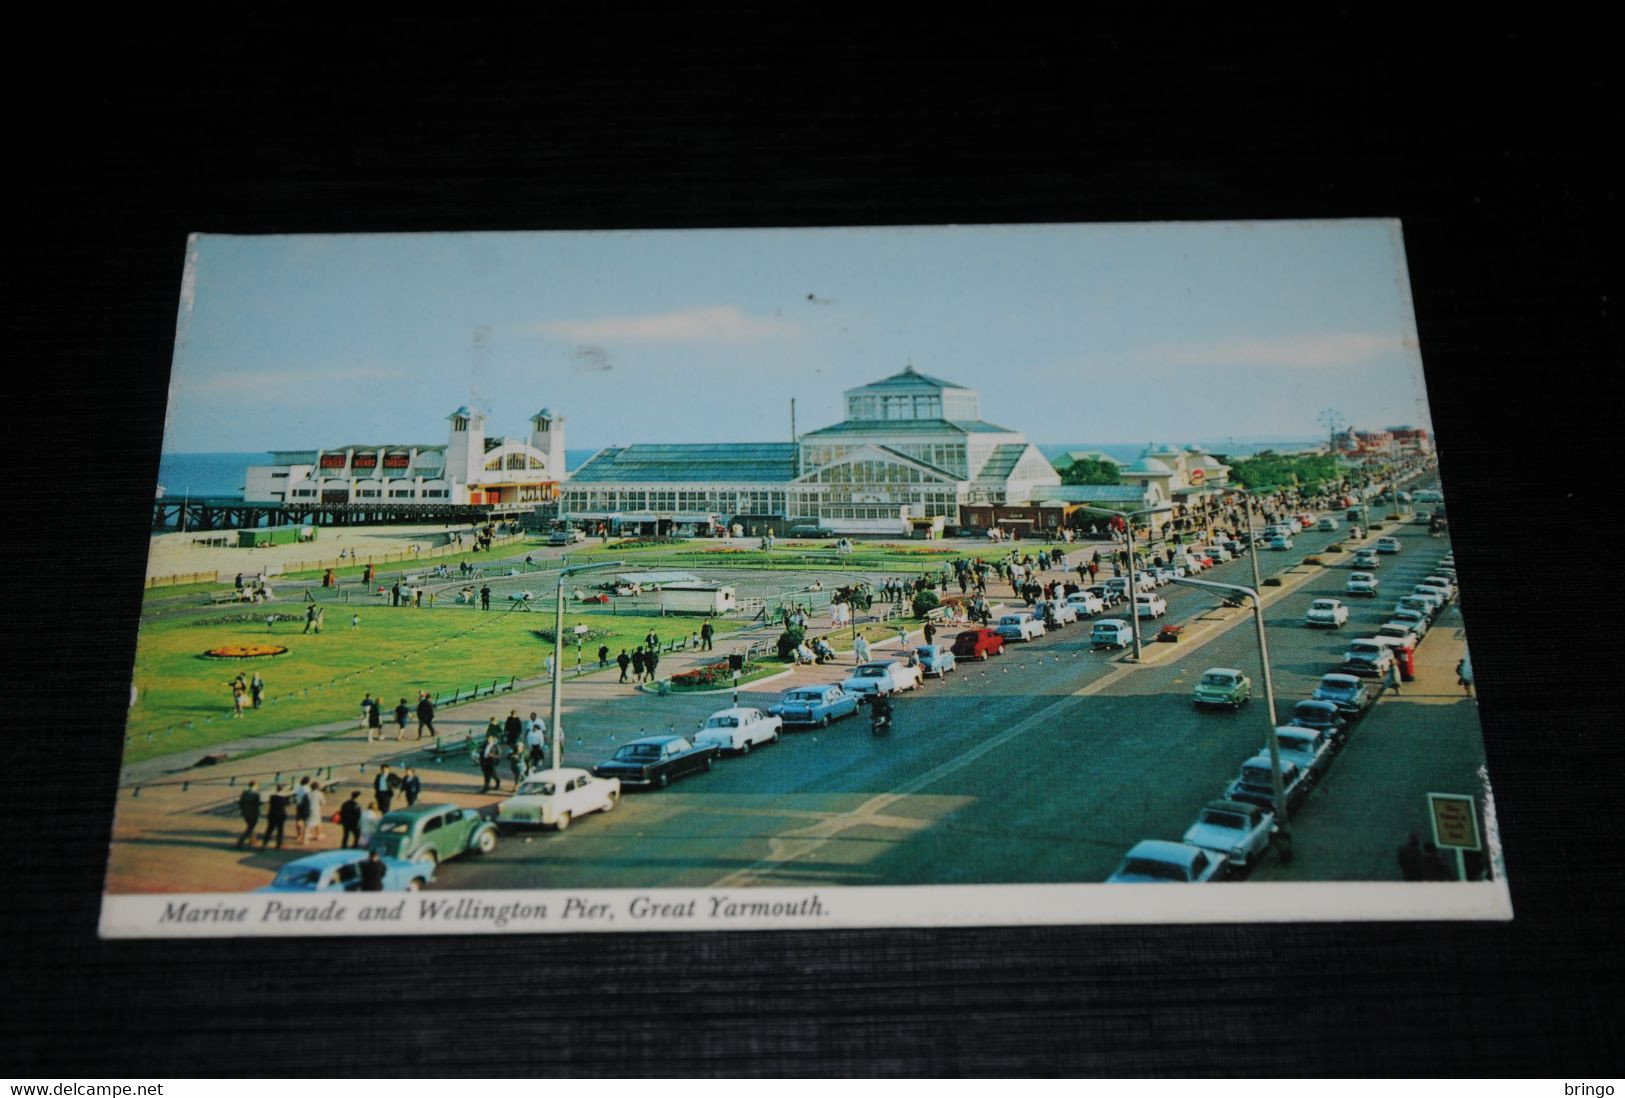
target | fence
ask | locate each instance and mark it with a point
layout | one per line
(286, 567)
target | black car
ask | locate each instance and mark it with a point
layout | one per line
(656, 760)
(1322, 715)
(1255, 785)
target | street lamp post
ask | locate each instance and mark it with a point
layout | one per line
(1133, 587)
(1276, 786)
(558, 647)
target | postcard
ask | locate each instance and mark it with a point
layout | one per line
(804, 578)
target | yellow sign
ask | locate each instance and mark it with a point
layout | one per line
(1455, 820)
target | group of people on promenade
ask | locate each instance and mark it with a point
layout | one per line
(518, 743)
(307, 804)
(372, 716)
(246, 693)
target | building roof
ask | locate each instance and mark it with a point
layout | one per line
(1072, 456)
(1090, 493)
(1002, 461)
(368, 447)
(755, 462)
(463, 410)
(908, 380)
(1151, 465)
(909, 427)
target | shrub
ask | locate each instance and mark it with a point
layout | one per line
(789, 639)
(1272, 581)
(1311, 560)
(1335, 547)
(925, 602)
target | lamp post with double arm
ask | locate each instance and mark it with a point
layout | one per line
(1128, 518)
(558, 647)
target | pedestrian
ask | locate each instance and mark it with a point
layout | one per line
(256, 688)
(276, 817)
(375, 721)
(1390, 678)
(402, 713)
(248, 805)
(547, 664)
(707, 630)
(321, 619)
(370, 821)
(1464, 676)
(490, 756)
(310, 617)
(515, 757)
(651, 661)
(366, 709)
(536, 740)
(860, 649)
(350, 821)
(637, 664)
(1433, 867)
(372, 873)
(395, 594)
(425, 714)
(603, 656)
(315, 803)
(237, 698)
(383, 787)
(512, 728)
(301, 809)
(624, 661)
(930, 633)
(411, 787)
(355, 621)
(485, 596)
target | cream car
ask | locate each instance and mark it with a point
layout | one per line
(739, 729)
(552, 798)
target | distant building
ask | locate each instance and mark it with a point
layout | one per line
(1181, 477)
(469, 468)
(912, 451)
(1412, 440)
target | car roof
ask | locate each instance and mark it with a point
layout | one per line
(328, 858)
(1338, 677)
(560, 773)
(418, 810)
(652, 739)
(1109, 621)
(1164, 851)
(1231, 806)
(874, 663)
(1318, 704)
(734, 711)
(1221, 671)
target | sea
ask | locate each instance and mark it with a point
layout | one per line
(221, 474)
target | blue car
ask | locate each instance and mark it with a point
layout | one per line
(340, 871)
(818, 705)
(935, 659)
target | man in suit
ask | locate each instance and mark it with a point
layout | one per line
(372, 873)
(383, 787)
(411, 786)
(249, 805)
(276, 818)
(425, 715)
(350, 821)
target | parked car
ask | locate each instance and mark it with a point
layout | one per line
(1388, 545)
(1433, 595)
(1367, 656)
(1235, 830)
(1362, 583)
(978, 644)
(1432, 585)
(1396, 634)
(1278, 541)
(1414, 620)
(1147, 605)
(1327, 523)
(1309, 749)
(882, 677)
(739, 729)
(1062, 612)
(1235, 547)
(1428, 607)
(934, 659)
(1348, 692)
(1020, 627)
(565, 537)
(820, 705)
(656, 760)
(1329, 612)
(433, 832)
(1085, 604)
(1154, 861)
(1429, 495)
(1218, 552)
(1223, 686)
(340, 871)
(1254, 784)
(1324, 715)
(1111, 633)
(555, 797)
(1367, 558)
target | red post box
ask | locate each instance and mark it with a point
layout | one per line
(1407, 663)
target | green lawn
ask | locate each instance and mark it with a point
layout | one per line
(185, 698)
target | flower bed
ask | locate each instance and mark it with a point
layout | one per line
(1170, 633)
(244, 651)
(640, 543)
(715, 676)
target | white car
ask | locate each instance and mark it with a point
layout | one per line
(1020, 627)
(1146, 581)
(1236, 831)
(1367, 656)
(1414, 620)
(1388, 545)
(1218, 552)
(1436, 595)
(739, 729)
(883, 677)
(554, 797)
(1065, 613)
(1086, 605)
(1367, 558)
(1278, 541)
(1149, 606)
(1157, 862)
(1327, 523)
(1328, 612)
(1445, 583)
(1362, 583)
(1396, 634)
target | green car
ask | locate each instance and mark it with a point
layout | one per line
(1223, 686)
(433, 833)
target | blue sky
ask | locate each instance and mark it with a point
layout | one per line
(1080, 333)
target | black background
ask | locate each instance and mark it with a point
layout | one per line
(1487, 140)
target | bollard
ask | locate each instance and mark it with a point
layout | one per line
(137, 792)
(278, 779)
(186, 787)
(232, 782)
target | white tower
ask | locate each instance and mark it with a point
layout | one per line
(465, 450)
(547, 435)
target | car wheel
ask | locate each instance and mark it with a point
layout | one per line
(744, 748)
(663, 779)
(824, 723)
(611, 801)
(982, 655)
(776, 735)
(427, 855)
(707, 765)
(487, 842)
(562, 822)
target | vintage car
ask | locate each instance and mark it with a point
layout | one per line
(1367, 656)
(340, 871)
(1326, 523)
(1107, 594)
(1414, 620)
(656, 760)
(1064, 613)
(1396, 634)
(1427, 605)
(1155, 861)
(978, 644)
(739, 729)
(819, 705)
(552, 798)
(1223, 686)
(1020, 627)
(935, 659)
(433, 832)
(565, 537)
(1434, 587)
(1111, 633)
(1236, 831)
(1278, 541)
(1363, 583)
(1254, 784)
(1328, 612)
(1348, 693)
(881, 677)
(1367, 558)
(1085, 605)
(1322, 715)
(1388, 545)
(1147, 605)
(1309, 749)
